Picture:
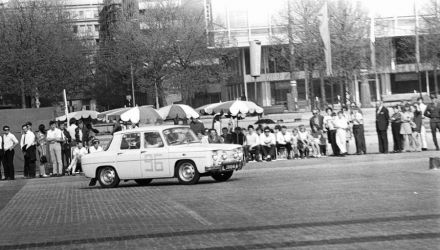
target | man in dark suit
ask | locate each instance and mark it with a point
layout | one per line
(433, 112)
(382, 121)
(317, 121)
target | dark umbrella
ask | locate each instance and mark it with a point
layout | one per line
(265, 121)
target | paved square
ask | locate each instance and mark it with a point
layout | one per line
(358, 202)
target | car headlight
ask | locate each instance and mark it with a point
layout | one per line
(215, 156)
(224, 155)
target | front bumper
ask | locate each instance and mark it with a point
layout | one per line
(226, 166)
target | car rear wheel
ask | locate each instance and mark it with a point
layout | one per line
(143, 182)
(187, 173)
(223, 176)
(108, 178)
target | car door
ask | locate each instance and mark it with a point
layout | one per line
(154, 156)
(129, 156)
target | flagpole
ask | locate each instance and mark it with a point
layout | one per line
(373, 56)
(419, 77)
(66, 108)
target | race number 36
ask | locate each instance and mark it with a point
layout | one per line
(151, 163)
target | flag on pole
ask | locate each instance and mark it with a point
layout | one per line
(372, 43)
(416, 31)
(325, 36)
(66, 107)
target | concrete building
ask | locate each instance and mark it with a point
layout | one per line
(238, 22)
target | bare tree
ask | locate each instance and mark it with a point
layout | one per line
(167, 48)
(39, 52)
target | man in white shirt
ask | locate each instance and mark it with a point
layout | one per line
(268, 142)
(2, 153)
(284, 139)
(96, 147)
(9, 143)
(55, 138)
(423, 107)
(252, 145)
(78, 152)
(28, 147)
(341, 125)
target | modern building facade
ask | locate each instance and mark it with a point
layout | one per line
(234, 23)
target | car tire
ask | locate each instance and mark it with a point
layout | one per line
(223, 176)
(108, 177)
(187, 173)
(143, 182)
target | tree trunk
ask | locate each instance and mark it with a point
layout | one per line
(23, 94)
(311, 90)
(322, 86)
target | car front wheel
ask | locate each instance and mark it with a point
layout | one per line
(187, 173)
(223, 176)
(108, 178)
(143, 182)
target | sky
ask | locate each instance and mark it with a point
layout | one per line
(389, 8)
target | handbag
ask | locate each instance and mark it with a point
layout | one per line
(43, 159)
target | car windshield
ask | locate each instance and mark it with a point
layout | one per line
(178, 136)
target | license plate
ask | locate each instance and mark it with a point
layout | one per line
(229, 167)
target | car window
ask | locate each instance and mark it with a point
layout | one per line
(152, 140)
(131, 141)
(177, 136)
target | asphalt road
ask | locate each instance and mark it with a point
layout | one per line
(358, 202)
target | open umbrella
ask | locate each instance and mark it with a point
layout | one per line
(234, 108)
(83, 114)
(265, 121)
(112, 114)
(142, 114)
(180, 111)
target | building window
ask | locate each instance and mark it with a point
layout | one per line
(279, 91)
(81, 14)
(74, 15)
(75, 29)
(96, 27)
(95, 14)
(89, 28)
(405, 49)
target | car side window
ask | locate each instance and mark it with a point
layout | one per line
(131, 141)
(152, 140)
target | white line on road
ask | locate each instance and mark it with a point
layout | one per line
(191, 212)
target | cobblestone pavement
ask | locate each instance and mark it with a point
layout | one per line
(357, 202)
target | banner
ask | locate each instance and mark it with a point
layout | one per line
(325, 36)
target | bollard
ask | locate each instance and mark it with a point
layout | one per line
(434, 162)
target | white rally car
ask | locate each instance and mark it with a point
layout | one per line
(148, 153)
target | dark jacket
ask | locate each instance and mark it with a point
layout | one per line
(433, 112)
(418, 121)
(319, 124)
(382, 119)
(197, 127)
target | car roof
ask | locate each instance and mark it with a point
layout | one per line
(150, 128)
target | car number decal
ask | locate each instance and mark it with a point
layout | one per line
(151, 162)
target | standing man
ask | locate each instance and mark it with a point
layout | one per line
(358, 131)
(196, 126)
(65, 145)
(422, 108)
(317, 121)
(27, 144)
(2, 153)
(433, 112)
(128, 103)
(382, 121)
(55, 138)
(9, 143)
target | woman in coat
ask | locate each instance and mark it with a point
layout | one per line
(406, 129)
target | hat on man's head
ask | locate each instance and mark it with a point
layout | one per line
(95, 141)
(6, 128)
(28, 124)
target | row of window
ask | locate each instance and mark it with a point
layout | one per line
(85, 28)
(82, 14)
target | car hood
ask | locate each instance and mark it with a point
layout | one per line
(203, 147)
